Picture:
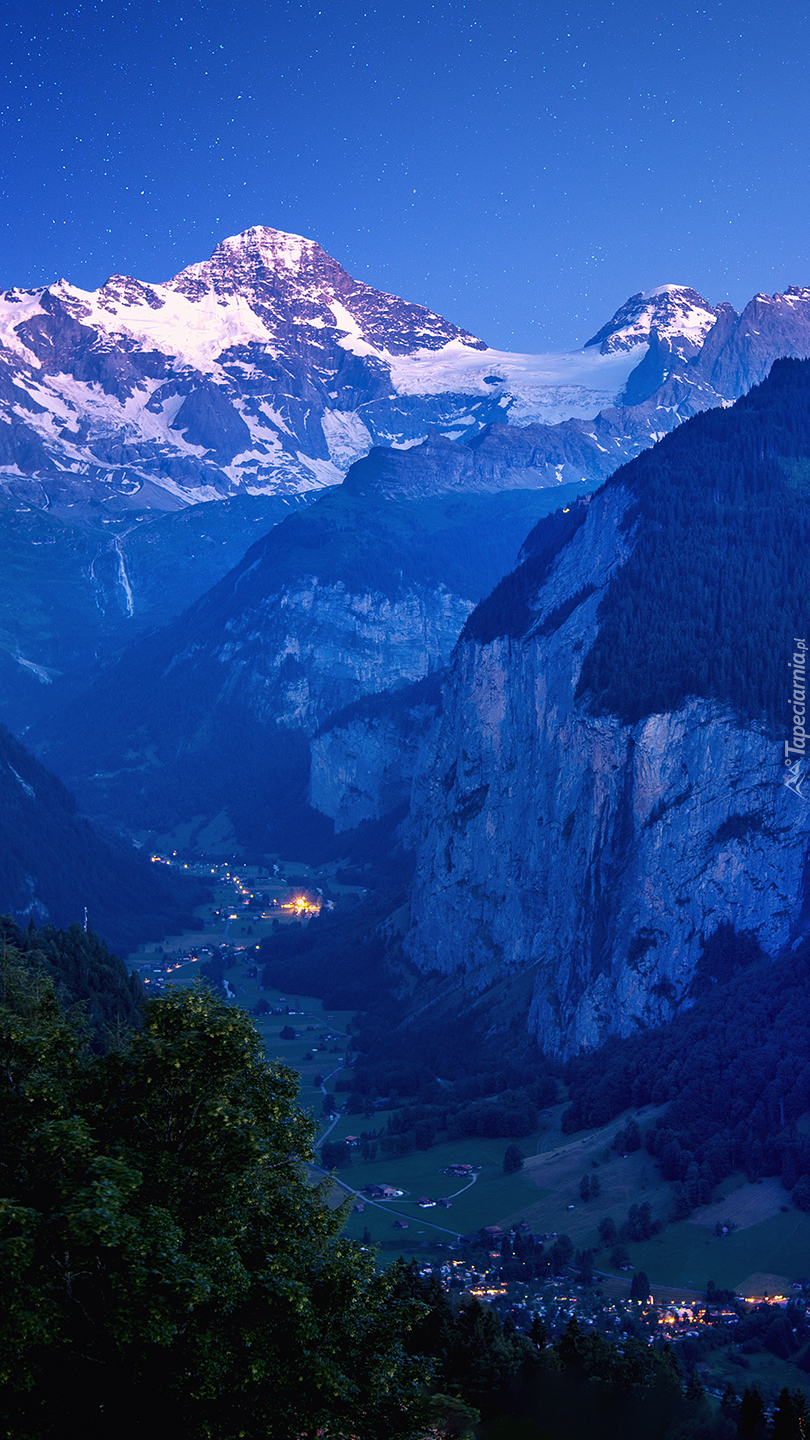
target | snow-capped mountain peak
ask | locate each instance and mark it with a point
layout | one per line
(253, 260)
(676, 313)
(269, 368)
(288, 280)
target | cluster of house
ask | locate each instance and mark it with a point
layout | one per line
(390, 1192)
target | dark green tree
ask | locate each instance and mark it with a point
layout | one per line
(752, 1423)
(639, 1286)
(801, 1193)
(606, 1230)
(512, 1160)
(789, 1416)
(584, 1260)
(161, 1249)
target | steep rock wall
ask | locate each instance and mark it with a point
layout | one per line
(363, 763)
(318, 647)
(599, 854)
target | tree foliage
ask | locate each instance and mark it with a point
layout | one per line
(512, 1160)
(734, 1070)
(162, 1252)
(708, 602)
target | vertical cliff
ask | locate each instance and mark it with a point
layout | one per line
(364, 759)
(602, 845)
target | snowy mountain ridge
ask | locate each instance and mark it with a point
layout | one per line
(675, 313)
(266, 369)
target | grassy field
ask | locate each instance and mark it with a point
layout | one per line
(544, 1194)
(766, 1250)
(762, 1258)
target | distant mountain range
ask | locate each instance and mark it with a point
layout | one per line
(266, 369)
(364, 587)
(258, 378)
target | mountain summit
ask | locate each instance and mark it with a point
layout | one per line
(265, 369)
(288, 280)
(675, 313)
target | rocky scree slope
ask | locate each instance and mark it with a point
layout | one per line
(608, 788)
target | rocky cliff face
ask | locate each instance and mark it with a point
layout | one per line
(598, 855)
(315, 648)
(364, 759)
(368, 593)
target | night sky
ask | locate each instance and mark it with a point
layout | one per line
(520, 167)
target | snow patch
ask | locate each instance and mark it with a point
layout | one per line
(29, 789)
(346, 436)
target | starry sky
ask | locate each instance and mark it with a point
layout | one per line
(521, 167)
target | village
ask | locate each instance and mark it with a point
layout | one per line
(248, 901)
(705, 1335)
(433, 1213)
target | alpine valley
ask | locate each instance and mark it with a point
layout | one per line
(295, 556)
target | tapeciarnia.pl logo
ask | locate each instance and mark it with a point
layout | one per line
(797, 745)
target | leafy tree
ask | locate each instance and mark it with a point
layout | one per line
(335, 1154)
(639, 1286)
(512, 1160)
(801, 1193)
(585, 1188)
(561, 1251)
(606, 1230)
(628, 1139)
(161, 1250)
(639, 1224)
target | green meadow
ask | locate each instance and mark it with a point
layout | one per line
(768, 1244)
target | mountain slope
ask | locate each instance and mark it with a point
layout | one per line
(360, 592)
(54, 864)
(73, 588)
(608, 788)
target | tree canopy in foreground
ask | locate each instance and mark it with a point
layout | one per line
(165, 1261)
